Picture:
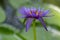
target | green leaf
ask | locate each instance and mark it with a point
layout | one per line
(2, 15)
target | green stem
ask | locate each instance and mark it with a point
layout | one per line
(34, 31)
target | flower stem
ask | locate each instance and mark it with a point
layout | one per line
(34, 31)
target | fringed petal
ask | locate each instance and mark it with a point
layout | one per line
(45, 13)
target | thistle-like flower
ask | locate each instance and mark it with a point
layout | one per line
(33, 13)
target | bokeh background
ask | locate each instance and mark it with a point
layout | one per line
(8, 32)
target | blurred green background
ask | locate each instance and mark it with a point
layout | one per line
(8, 32)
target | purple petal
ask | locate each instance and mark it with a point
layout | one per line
(33, 14)
(24, 10)
(33, 9)
(28, 23)
(42, 21)
(39, 10)
(45, 13)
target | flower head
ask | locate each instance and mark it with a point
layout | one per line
(33, 13)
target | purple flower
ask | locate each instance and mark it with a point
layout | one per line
(33, 13)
